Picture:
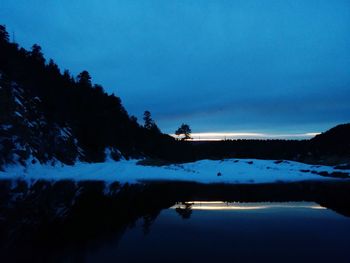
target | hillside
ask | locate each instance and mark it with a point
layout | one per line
(47, 115)
(334, 141)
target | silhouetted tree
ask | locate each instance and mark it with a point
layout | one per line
(149, 122)
(147, 119)
(52, 67)
(4, 36)
(67, 76)
(185, 130)
(37, 54)
(99, 88)
(84, 79)
(133, 119)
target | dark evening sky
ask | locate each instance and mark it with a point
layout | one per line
(267, 67)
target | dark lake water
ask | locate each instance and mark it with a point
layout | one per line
(87, 222)
(233, 232)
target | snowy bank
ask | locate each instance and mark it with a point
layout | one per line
(233, 171)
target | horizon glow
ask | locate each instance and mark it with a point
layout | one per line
(218, 136)
(220, 205)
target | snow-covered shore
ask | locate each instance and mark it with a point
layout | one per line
(233, 171)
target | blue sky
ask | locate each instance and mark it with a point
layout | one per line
(271, 67)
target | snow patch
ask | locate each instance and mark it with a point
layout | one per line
(231, 171)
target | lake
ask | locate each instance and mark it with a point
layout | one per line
(90, 221)
(233, 232)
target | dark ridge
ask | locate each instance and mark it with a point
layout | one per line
(38, 101)
(333, 141)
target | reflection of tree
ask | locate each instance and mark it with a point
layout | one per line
(184, 209)
(148, 221)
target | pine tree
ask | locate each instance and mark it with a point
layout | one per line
(84, 79)
(185, 130)
(4, 36)
(149, 122)
(37, 54)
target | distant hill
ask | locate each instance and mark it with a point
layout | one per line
(330, 147)
(333, 141)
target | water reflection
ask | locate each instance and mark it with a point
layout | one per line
(68, 222)
(218, 231)
(184, 209)
(181, 207)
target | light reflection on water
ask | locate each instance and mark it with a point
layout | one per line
(218, 231)
(220, 205)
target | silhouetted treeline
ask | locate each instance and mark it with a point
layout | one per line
(335, 141)
(264, 149)
(97, 119)
(330, 147)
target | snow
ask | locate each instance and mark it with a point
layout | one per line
(6, 127)
(18, 114)
(18, 101)
(65, 133)
(232, 171)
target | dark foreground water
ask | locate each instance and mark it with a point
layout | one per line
(233, 232)
(91, 222)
